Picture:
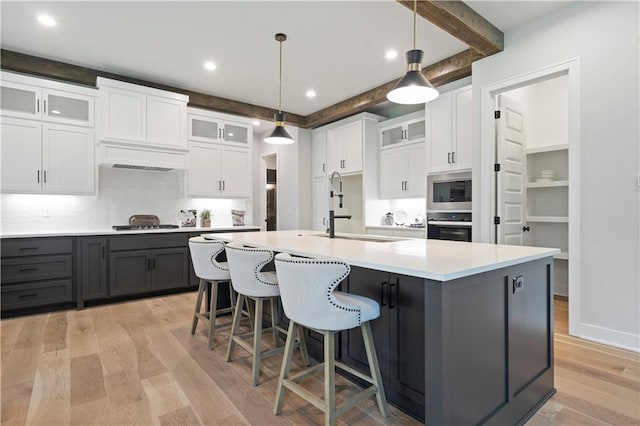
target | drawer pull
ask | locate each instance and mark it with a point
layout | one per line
(28, 270)
(28, 295)
(28, 248)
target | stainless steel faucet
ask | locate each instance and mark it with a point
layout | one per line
(332, 215)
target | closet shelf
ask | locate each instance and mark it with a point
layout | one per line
(548, 219)
(549, 148)
(551, 184)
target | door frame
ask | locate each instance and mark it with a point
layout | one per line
(263, 192)
(484, 213)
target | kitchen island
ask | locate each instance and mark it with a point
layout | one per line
(465, 334)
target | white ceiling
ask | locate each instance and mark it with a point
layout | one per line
(336, 48)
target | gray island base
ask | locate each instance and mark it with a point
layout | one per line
(475, 349)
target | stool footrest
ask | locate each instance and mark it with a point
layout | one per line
(354, 372)
(307, 372)
(249, 348)
(357, 399)
(305, 394)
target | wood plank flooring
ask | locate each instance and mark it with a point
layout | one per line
(136, 363)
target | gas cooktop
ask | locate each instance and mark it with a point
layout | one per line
(142, 227)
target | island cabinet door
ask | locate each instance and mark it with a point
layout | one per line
(129, 272)
(169, 268)
(405, 379)
(93, 264)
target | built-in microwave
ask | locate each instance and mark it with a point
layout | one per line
(450, 191)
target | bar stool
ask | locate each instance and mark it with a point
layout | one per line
(308, 298)
(250, 282)
(211, 274)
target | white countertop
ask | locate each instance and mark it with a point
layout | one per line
(76, 233)
(432, 259)
(410, 228)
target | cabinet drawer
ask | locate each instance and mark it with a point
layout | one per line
(36, 246)
(36, 294)
(36, 268)
(145, 242)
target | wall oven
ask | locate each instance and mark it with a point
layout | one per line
(451, 191)
(449, 226)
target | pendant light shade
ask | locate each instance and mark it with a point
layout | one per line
(279, 136)
(413, 88)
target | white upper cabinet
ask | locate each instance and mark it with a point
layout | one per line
(411, 129)
(140, 115)
(319, 153)
(49, 158)
(320, 201)
(210, 127)
(344, 148)
(39, 99)
(449, 126)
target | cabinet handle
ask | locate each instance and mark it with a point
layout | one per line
(45, 176)
(38, 178)
(405, 186)
(45, 106)
(223, 185)
(382, 284)
(449, 157)
(324, 221)
(324, 167)
(28, 248)
(37, 105)
(28, 270)
(391, 286)
(453, 157)
(222, 133)
(28, 295)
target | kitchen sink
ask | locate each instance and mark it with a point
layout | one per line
(367, 238)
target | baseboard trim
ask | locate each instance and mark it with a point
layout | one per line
(610, 337)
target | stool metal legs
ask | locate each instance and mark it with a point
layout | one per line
(328, 405)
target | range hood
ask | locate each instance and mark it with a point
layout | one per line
(127, 156)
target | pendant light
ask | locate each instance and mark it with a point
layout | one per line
(413, 88)
(279, 136)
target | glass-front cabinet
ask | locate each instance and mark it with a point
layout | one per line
(403, 132)
(19, 100)
(209, 129)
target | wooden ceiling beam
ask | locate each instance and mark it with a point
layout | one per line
(462, 22)
(451, 69)
(20, 62)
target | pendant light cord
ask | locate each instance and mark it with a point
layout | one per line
(280, 85)
(415, 8)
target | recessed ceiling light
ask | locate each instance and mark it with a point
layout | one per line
(47, 20)
(311, 93)
(256, 122)
(210, 66)
(391, 54)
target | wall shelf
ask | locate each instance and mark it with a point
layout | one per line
(552, 184)
(548, 219)
(562, 256)
(549, 148)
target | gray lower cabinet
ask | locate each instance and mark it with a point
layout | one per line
(169, 268)
(93, 268)
(398, 335)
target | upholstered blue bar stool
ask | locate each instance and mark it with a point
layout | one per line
(211, 273)
(308, 298)
(251, 282)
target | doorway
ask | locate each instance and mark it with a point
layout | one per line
(270, 191)
(531, 166)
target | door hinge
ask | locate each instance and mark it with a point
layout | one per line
(496, 114)
(496, 167)
(496, 220)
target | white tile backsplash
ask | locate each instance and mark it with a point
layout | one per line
(122, 193)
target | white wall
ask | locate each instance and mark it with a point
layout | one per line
(604, 35)
(293, 178)
(121, 193)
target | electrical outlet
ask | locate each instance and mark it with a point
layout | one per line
(46, 213)
(518, 284)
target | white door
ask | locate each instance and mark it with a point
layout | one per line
(416, 176)
(125, 115)
(67, 108)
(439, 131)
(235, 172)
(68, 162)
(319, 154)
(352, 147)
(166, 122)
(203, 129)
(511, 157)
(320, 194)
(237, 133)
(20, 100)
(335, 150)
(204, 171)
(461, 157)
(392, 172)
(21, 155)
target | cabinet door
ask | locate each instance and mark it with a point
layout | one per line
(237, 133)
(203, 129)
(352, 147)
(235, 172)
(439, 130)
(319, 154)
(68, 162)
(335, 150)
(320, 194)
(21, 158)
(20, 100)
(129, 272)
(125, 115)
(166, 122)
(204, 171)
(392, 173)
(405, 381)
(170, 268)
(67, 108)
(416, 176)
(391, 135)
(93, 278)
(415, 130)
(463, 132)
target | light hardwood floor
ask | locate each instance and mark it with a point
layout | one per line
(136, 363)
